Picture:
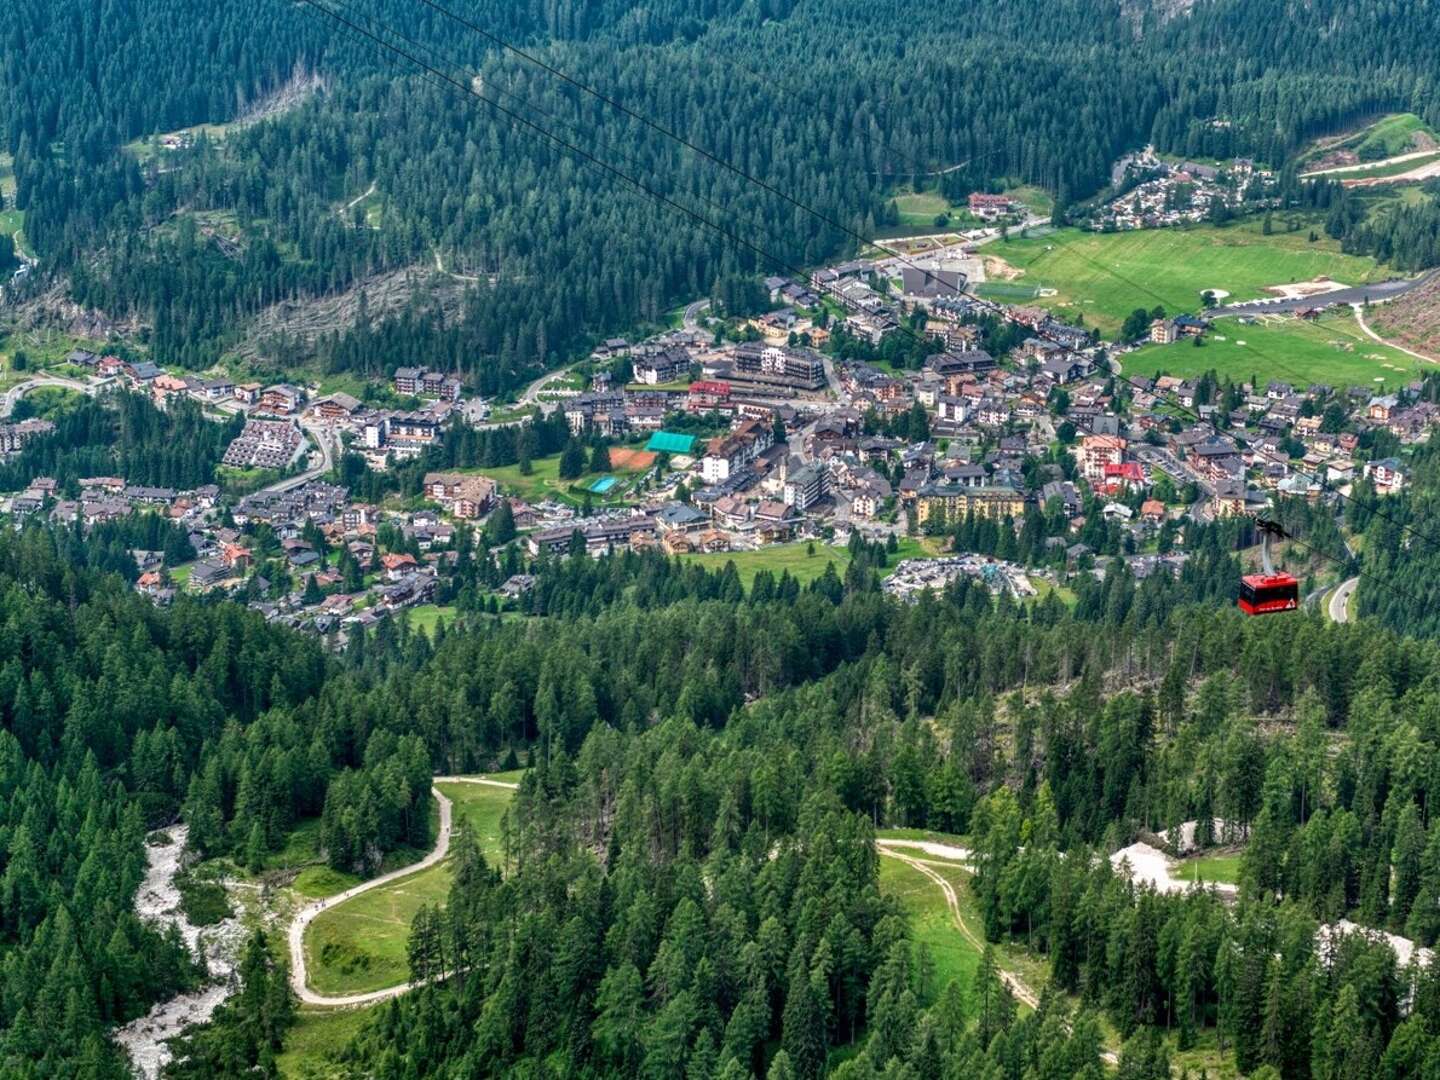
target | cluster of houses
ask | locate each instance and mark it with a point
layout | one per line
(1174, 193)
(265, 444)
(795, 445)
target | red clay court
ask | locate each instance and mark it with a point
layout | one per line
(636, 460)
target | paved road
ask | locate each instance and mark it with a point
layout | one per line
(299, 978)
(1375, 294)
(531, 396)
(1340, 601)
(692, 314)
(325, 439)
(15, 393)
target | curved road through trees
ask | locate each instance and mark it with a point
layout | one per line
(299, 977)
(19, 390)
(1340, 600)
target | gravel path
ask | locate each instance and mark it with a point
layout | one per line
(299, 977)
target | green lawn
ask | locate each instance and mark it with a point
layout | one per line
(920, 209)
(1221, 868)
(952, 955)
(360, 945)
(796, 558)
(426, 616)
(314, 1042)
(1332, 350)
(1007, 292)
(1037, 199)
(1102, 277)
(1390, 137)
(544, 482)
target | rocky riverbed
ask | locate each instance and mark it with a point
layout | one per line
(158, 902)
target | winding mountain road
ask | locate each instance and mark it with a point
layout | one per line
(299, 977)
(1340, 600)
(691, 321)
(325, 439)
(19, 390)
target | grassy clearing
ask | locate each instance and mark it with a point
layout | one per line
(479, 809)
(12, 224)
(797, 558)
(149, 146)
(360, 945)
(1212, 868)
(1331, 350)
(544, 483)
(1102, 277)
(315, 1041)
(1037, 199)
(1390, 136)
(425, 617)
(920, 209)
(952, 956)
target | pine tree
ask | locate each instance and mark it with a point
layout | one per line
(803, 1027)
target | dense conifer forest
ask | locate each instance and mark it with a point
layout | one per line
(830, 103)
(691, 879)
(690, 883)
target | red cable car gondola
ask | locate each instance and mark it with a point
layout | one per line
(1269, 593)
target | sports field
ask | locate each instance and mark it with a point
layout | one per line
(1332, 350)
(629, 459)
(1102, 277)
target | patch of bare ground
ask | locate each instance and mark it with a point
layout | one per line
(53, 311)
(997, 269)
(1137, 12)
(299, 88)
(290, 329)
(1335, 159)
(1412, 320)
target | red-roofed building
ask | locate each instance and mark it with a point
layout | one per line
(708, 396)
(1123, 476)
(1095, 452)
(983, 205)
(397, 565)
(236, 556)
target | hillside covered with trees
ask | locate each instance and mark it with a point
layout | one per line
(831, 104)
(691, 879)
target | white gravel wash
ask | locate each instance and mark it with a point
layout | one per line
(1151, 866)
(158, 902)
